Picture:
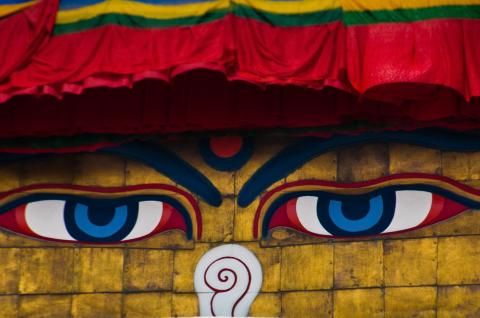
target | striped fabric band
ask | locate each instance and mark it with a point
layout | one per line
(77, 15)
(8, 7)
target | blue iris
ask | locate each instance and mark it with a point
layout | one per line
(101, 231)
(100, 221)
(353, 215)
(367, 221)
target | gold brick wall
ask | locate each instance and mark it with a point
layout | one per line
(432, 272)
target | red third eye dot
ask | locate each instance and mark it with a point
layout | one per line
(226, 146)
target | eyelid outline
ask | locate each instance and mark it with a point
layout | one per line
(446, 186)
(11, 199)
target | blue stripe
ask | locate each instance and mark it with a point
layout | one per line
(8, 2)
(75, 4)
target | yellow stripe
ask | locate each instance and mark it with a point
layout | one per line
(291, 7)
(12, 8)
(154, 11)
(371, 5)
(139, 9)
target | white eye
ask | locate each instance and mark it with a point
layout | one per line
(149, 216)
(411, 209)
(306, 208)
(46, 218)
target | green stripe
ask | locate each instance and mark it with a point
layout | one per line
(284, 20)
(289, 20)
(136, 22)
(411, 15)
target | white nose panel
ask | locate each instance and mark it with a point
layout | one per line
(227, 280)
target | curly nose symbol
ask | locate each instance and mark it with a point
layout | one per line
(227, 280)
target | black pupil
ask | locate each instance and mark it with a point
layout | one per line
(355, 209)
(100, 215)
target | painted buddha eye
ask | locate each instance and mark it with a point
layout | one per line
(79, 219)
(330, 210)
(325, 214)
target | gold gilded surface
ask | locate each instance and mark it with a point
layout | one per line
(44, 306)
(362, 162)
(408, 158)
(143, 270)
(147, 305)
(313, 304)
(138, 173)
(184, 267)
(458, 260)
(458, 302)
(218, 221)
(46, 270)
(243, 223)
(358, 264)
(271, 266)
(59, 169)
(474, 165)
(184, 305)
(324, 167)
(266, 305)
(430, 272)
(8, 306)
(98, 270)
(9, 273)
(307, 267)
(96, 169)
(96, 305)
(10, 176)
(455, 165)
(407, 302)
(410, 262)
(358, 303)
(168, 240)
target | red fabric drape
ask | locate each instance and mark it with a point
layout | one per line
(390, 75)
(201, 101)
(359, 59)
(23, 33)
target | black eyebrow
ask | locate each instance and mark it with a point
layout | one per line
(159, 159)
(308, 148)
